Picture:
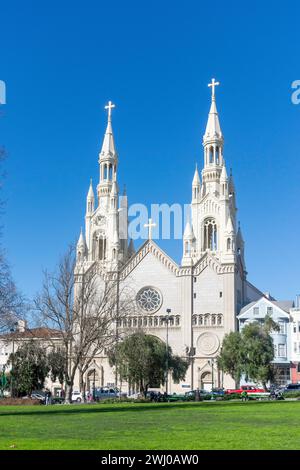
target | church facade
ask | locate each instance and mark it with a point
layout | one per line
(195, 303)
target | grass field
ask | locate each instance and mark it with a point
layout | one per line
(254, 425)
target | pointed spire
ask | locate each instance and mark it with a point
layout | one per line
(131, 249)
(196, 179)
(114, 189)
(108, 146)
(90, 195)
(213, 128)
(188, 232)
(239, 235)
(81, 241)
(231, 183)
(224, 176)
(229, 226)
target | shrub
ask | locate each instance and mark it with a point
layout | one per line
(295, 394)
(19, 401)
(232, 396)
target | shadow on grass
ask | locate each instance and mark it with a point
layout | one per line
(134, 407)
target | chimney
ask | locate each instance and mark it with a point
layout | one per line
(21, 326)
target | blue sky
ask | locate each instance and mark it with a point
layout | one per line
(62, 61)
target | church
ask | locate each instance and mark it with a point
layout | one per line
(194, 304)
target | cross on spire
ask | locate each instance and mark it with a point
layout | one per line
(110, 106)
(213, 84)
(150, 225)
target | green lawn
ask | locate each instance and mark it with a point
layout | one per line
(247, 425)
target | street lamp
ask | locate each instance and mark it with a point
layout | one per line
(12, 330)
(94, 394)
(167, 318)
(211, 362)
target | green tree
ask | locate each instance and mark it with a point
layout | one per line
(29, 368)
(141, 360)
(249, 352)
(57, 365)
(259, 351)
(232, 358)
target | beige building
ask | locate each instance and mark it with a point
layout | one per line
(204, 294)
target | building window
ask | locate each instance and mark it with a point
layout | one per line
(299, 348)
(177, 320)
(295, 347)
(294, 327)
(281, 350)
(282, 327)
(195, 279)
(221, 294)
(194, 319)
(210, 235)
(298, 367)
(270, 311)
(256, 310)
(275, 350)
(195, 295)
(298, 326)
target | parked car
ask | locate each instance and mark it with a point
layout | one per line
(217, 392)
(39, 395)
(203, 395)
(77, 396)
(292, 388)
(101, 393)
(250, 391)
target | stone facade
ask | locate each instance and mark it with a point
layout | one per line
(205, 293)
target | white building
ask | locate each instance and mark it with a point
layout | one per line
(295, 343)
(205, 293)
(280, 313)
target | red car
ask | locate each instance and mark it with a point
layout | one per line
(245, 388)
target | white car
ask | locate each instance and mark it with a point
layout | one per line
(77, 396)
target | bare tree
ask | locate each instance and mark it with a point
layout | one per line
(86, 309)
(11, 301)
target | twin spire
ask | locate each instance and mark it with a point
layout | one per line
(213, 128)
(108, 146)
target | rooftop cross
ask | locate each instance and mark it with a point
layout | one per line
(213, 84)
(109, 106)
(150, 225)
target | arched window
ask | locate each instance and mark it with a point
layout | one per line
(228, 244)
(206, 319)
(217, 155)
(213, 320)
(194, 320)
(219, 319)
(105, 171)
(210, 235)
(211, 155)
(186, 247)
(110, 172)
(201, 322)
(102, 248)
(114, 253)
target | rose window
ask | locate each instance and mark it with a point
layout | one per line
(149, 299)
